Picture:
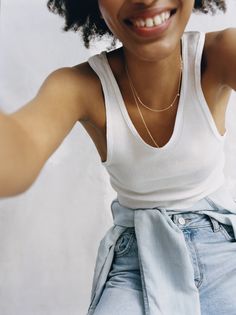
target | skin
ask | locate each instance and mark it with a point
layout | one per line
(74, 94)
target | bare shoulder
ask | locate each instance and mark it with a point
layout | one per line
(75, 85)
(220, 49)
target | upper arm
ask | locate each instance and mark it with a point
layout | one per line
(225, 51)
(49, 117)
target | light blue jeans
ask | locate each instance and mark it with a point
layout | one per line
(212, 249)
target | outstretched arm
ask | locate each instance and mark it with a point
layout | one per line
(29, 136)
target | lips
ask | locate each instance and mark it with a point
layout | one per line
(152, 23)
(149, 14)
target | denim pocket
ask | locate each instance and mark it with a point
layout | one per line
(227, 231)
(125, 242)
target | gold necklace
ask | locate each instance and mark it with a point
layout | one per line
(140, 113)
(136, 101)
(140, 101)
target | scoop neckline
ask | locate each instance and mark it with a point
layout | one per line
(179, 114)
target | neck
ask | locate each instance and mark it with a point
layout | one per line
(156, 82)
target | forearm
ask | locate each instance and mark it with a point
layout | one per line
(17, 156)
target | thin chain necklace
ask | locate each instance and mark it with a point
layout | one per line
(136, 99)
(140, 101)
(141, 115)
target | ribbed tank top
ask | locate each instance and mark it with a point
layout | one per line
(186, 169)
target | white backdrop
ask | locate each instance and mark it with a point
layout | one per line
(50, 234)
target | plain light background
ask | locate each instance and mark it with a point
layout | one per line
(49, 235)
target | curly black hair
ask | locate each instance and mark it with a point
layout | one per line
(85, 16)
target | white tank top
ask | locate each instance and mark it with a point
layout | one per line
(189, 167)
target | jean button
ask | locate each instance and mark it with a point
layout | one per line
(181, 221)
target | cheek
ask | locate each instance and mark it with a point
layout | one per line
(110, 12)
(108, 8)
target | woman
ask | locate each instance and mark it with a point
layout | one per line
(155, 109)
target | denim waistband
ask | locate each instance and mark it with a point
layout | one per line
(187, 218)
(194, 220)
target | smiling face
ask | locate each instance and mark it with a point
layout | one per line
(149, 29)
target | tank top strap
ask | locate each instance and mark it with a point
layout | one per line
(196, 41)
(111, 96)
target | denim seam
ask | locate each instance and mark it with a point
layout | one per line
(145, 296)
(199, 263)
(93, 302)
(194, 226)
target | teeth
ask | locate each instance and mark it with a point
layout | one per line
(158, 20)
(167, 15)
(163, 16)
(150, 22)
(142, 23)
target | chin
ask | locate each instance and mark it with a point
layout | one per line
(153, 51)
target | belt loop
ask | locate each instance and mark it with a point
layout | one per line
(215, 224)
